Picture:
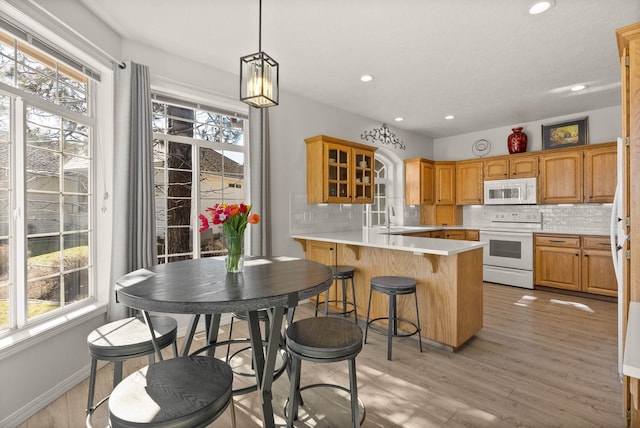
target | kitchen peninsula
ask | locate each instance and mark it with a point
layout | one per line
(448, 275)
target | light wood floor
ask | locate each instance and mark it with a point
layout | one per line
(542, 360)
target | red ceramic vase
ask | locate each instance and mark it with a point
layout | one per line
(517, 141)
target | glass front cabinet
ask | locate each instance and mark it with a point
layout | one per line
(339, 171)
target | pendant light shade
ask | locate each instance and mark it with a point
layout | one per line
(259, 76)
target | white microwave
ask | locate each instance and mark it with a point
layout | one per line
(510, 192)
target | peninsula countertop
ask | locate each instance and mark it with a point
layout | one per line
(381, 237)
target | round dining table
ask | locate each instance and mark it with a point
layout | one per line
(203, 287)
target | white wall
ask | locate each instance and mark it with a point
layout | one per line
(604, 126)
(293, 120)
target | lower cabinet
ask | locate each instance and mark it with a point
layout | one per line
(598, 275)
(454, 234)
(325, 253)
(575, 262)
(462, 234)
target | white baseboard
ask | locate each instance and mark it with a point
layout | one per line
(43, 400)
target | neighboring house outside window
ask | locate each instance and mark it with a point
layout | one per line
(199, 158)
(46, 165)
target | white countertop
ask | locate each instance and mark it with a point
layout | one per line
(379, 237)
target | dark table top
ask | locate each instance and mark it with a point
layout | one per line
(202, 286)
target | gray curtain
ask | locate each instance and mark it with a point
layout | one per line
(260, 183)
(134, 234)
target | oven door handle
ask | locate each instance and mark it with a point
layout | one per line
(491, 234)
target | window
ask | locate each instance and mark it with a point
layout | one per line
(46, 166)
(379, 207)
(199, 160)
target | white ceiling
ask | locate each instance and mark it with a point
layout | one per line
(489, 63)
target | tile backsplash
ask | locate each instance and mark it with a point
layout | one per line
(314, 218)
(576, 218)
(570, 218)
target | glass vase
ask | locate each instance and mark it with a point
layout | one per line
(234, 260)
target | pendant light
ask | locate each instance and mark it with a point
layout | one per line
(259, 76)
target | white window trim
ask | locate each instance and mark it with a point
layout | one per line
(101, 213)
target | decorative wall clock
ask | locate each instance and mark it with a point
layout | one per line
(481, 148)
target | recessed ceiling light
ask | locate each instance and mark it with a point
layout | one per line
(541, 6)
(399, 119)
(449, 117)
(578, 88)
(366, 78)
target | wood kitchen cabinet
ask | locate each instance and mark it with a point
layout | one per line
(598, 276)
(561, 177)
(462, 234)
(472, 235)
(513, 166)
(600, 166)
(445, 183)
(325, 253)
(575, 262)
(557, 261)
(578, 175)
(419, 182)
(437, 234)
(441, 215)
(339, 171)
(469, 183)
(523, 166)
(454, 234)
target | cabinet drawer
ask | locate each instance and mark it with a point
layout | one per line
(418, 234)
(454, 234)
(596, 242)
(472, 235)
(568, 241)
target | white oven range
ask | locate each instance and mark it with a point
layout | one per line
(508, 258)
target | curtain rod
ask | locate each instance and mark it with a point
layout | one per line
(115, 61)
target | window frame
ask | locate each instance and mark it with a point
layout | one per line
(196, 145)
(99, 109)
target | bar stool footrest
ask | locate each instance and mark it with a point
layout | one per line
(342, 302)
(386, 331)
(328, 385)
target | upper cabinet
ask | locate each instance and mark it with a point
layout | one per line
(445, 183)
(418, 182)
(496, 168)
(578, 175)
(339, 171)
(512, 166)
(600, 173)
(469, 182)
(523, 166)
(561, 177)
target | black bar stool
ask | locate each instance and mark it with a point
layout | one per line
(393, 286)
(342, 273)
(323, 340)
(124, 339)
(179, 392)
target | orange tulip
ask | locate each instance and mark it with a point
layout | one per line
(253, 218)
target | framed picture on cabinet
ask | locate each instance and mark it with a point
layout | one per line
(565, 134)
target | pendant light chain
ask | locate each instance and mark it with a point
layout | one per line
(260, 27)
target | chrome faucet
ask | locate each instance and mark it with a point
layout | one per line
(390, 212)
